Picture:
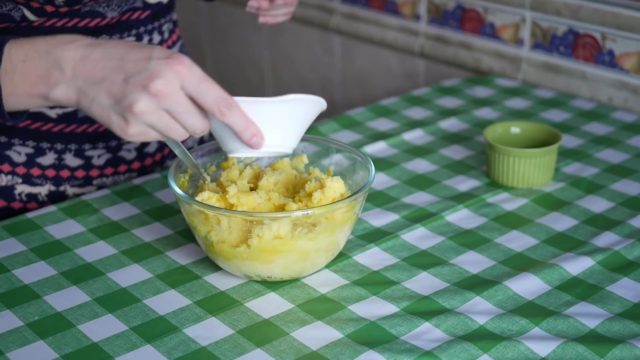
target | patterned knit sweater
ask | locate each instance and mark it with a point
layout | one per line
(50, 154)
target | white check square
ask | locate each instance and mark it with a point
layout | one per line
(588, 314)
(257, 354)
(420, 198)
(507, 201)
(10, 246)
(152, 232)
(375, 259)
(571, 141)
(379, 217)
(425, 284)
(555, 115)
(595, 203)
(373, 308)
(419, 166)
(507, 82)
(463, 183)
(120, 211)
(379, 149)
(67, 298)
(479, 310)
(634, 141)
(480, 91)
(613, 156)
(383, 181)
(544, 93)
(34, 272)
(527, 285)
(95, 251)
(473, 262)
(558, 221)
(427, 337)
(626, 288)
(516, 240)
(624, 116)
(486, 113)
(129, 275)
(166, 196)
(417, 137)
(186, 253)
(8, 321)
(580, 169)
(269, 305)
(208, 331)
(540, 341)
(324, 281)
(346, 136)
(223, 280)
(583, 104)
(422, 238)
(417, 113)
(450, 102)
(453, 125)
(517, 103)
(102, 327)
(456, 152)
(598, 128)
(382, 124)
(316, 335)
(465, 219)
(64, 229)
(167, 302)
(574, 263)
(38, 350)
(627, 186)
(146, 352)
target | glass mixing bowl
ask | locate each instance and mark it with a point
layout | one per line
(284, 245)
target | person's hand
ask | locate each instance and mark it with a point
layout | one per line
(272, 11)
(140, 92)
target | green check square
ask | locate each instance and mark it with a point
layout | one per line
(50, 249)
(371, 335)
(108, 230)
(181, 275)
(199, 354)
(154, 329)
(321, 307)
(117, 300)
(217, 303)
(21, 226)
(91, 351)
(262, 333)
(50, 325)
(18, 296)
(141, 252)
(82, 273)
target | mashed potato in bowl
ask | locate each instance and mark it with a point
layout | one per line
(283, 218)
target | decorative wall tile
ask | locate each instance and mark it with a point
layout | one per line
(579, 42)
(407, 9)
(491, 22)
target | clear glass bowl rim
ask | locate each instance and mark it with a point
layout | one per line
(278, 214)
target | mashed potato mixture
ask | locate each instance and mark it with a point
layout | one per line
(273, 246)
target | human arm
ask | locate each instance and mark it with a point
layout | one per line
(140, 92)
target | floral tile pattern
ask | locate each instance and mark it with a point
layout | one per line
(599, 47)
(407, 9)
(556, 37)
(478, 19)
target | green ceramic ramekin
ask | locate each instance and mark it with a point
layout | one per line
(521, 154)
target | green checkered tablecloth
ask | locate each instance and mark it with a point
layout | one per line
(442, 264)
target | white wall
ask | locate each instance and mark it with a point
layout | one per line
(255, 60)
